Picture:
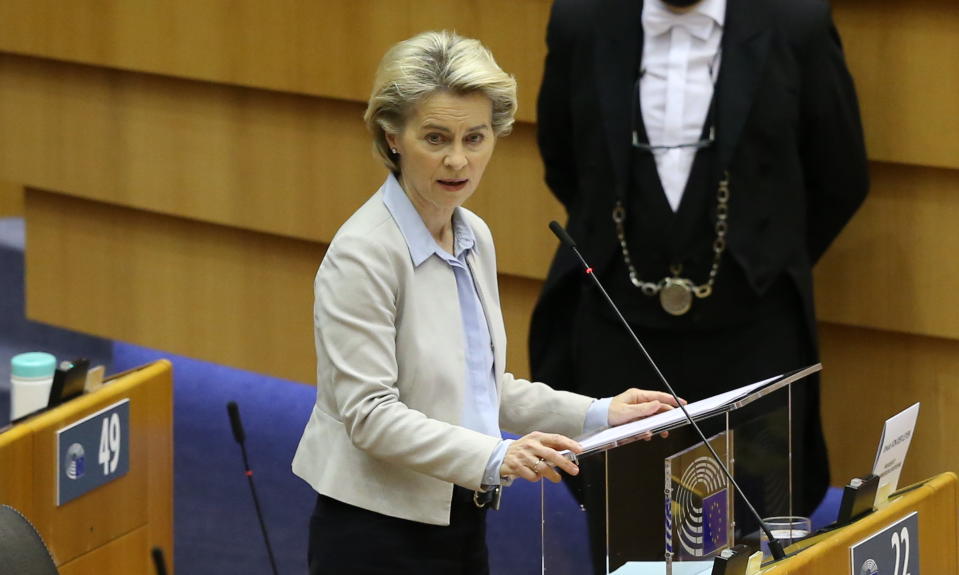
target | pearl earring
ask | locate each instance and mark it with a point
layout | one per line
(393, 150)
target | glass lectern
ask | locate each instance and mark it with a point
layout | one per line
(634, 518)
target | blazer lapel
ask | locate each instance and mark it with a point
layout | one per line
(745, 46)
(619, 41)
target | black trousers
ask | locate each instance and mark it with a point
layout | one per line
(347, 540)
(698, 363)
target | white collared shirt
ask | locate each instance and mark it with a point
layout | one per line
(679, 68)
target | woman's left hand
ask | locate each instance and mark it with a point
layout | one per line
(635, 404)
(537, 455)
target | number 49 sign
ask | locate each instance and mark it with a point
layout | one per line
(104, 435)
(892, 551)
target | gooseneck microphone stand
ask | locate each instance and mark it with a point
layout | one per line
(234, 411)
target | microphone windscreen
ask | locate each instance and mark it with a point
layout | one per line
(234, 410)
(561, 234)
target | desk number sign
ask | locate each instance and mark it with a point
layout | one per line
(93, 451)
(892, 551)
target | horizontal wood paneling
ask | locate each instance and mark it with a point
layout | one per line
(230, 296)
(279, 163)
(894, 266)
(898, 51)
(903, 57)
(329, 48)
(11, 200)
(869, 376)
(290, 165)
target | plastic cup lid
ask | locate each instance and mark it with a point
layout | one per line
(33, 364)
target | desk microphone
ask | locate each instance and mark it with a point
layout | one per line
(234, 411)
(775, 546)
(158, 562)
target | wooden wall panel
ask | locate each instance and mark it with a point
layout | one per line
(283, 163)
(903, 57)
(279, 163)
(898, 51)
(328, 48)
(894, 267)
(230, 296)
(11, 200)
(870, 375)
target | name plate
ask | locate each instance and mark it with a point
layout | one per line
(892, 551)
(93, 451)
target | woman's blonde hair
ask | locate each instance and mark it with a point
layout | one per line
(413, 70)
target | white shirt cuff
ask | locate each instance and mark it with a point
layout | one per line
(597, 416)
(491, 476)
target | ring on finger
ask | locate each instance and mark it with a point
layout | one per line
(536, 465)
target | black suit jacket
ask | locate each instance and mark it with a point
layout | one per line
(787, 128)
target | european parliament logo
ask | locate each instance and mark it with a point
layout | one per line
(75, 463)
(700, 511)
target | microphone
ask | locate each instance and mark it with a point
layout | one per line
(775, 546)
(234, 412)
(158, 563)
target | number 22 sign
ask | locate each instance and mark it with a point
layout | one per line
(892, 551)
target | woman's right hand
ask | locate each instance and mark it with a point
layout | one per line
(537, 455)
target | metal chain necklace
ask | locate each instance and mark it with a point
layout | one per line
(675, 292)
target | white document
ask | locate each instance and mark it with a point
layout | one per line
(667, 420)
(659, 567)
(896, 436)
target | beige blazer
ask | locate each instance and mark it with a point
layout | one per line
(391, 372)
